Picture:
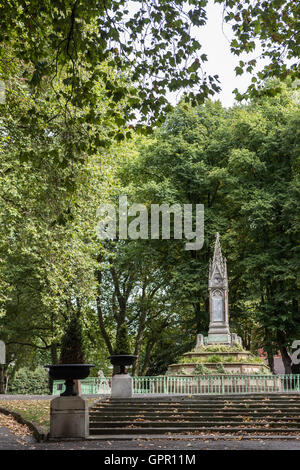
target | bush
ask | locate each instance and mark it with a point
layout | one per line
(71, 345)
(30, 382)
(220, 369)
(214, 358)
(122, 341)
(200, 369)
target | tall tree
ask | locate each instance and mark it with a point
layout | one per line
(242, 164)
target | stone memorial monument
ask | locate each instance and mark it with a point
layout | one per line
(221, 350)
(218, 332)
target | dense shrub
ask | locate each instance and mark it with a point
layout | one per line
(122, 341)
(71, 345)
(31, 382)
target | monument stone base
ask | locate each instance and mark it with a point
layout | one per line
(219, 339)
(121, 386)
(69, 417)
(213, 338)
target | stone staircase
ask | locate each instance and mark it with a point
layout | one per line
(243, 414)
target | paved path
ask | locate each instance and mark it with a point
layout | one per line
(9, 441)
(175, 444)
(38, 397)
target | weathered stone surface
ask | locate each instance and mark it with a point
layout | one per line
(69, 417)
(219, 332)
(236, 368)
(121, 386)
(200, 342)
(2, 352)
(216, 338)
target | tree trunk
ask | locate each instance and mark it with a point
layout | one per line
(2, 380)
(149, 348)
(54, 360)
(287, 362)
(140, 334)
(271, 361)
(99, 311)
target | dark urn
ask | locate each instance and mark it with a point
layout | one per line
(122, 360)
(69, 373)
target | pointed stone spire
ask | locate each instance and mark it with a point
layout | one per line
(217, 266)
(218, 298)
(218, 263)
(217, 250)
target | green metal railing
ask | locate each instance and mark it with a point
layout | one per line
(89, 386)
(217, 384)
(202, 384)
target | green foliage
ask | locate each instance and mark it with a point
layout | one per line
(201, 369)
(73, 38)
(242, 164)
(220, 369)
(221, 348)
(85, 50)
(214, 358)
(29, 382)
(273, 25)
(218, 359)
(71, 345)
(122, 341)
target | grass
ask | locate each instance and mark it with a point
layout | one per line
(220, 348)
(35, 411)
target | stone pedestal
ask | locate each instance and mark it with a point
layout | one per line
(200, 342)
(69, 417)
(121, 386)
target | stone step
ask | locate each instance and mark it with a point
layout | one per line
(191, 430)
(201, 397)
(204, 412)
(202, 404)
(199, 402)
(202, 408)
(196, 402)
(96, 419)
(196, 424)
(135, 416)
(204, 398)
(194, 418)
(295, 404)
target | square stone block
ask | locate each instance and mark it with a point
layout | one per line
(121, 386)
(69, 417)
